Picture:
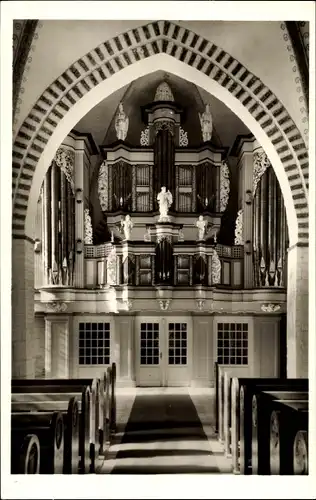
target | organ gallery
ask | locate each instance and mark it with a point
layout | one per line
(159, 238)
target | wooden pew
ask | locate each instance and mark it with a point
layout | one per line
(220, 390)
(25, 454)
(286, 420)
(300, 453)
(216, 395)
(242, 392)
(270, 444)
(49, 428)
(111, 374)
(55, 394)
(227, 412)
(70, 410)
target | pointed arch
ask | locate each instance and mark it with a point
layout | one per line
(134, 53)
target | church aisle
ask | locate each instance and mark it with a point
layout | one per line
(165, 431)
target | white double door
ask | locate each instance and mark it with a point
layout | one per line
(163, 351)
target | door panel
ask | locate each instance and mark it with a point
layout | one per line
(163, 351)
(178, 369)
(149, 359)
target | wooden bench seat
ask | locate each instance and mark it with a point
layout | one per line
(87, 411)
(25, 454)
(70, 409)
(49, 429)
(242, 390)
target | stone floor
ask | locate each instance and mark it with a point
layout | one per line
(194, 450)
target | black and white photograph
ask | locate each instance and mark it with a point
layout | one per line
(157, 249)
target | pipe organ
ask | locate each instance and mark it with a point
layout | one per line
(160, 253)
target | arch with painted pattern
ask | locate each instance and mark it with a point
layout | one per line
(175, 49)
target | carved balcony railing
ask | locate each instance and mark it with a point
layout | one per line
(137, 264)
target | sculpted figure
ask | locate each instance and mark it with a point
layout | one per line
(201, 224)
(127, 226)
(206, 123)
(121, 123)
(165, 200)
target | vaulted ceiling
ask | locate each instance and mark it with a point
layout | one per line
(100, 120)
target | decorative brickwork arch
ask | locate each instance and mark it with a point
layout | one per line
(115, 62)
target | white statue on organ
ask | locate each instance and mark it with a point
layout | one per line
(121, 123)
(165, 200)
(201, 224)
(206, 123)
(127, 226)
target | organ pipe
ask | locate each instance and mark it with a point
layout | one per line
(54, 220)
(63, 215)
(47, 226)
(269, 231)
(58, 225)
(164, 159)
(270, 207)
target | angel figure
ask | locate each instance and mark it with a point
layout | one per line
(121, 123)
(127, 226)
(206, 123)
(165, 200)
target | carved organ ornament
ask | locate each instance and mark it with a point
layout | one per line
(65, 160)
(224, 186)
(88, 233)
(239, 238)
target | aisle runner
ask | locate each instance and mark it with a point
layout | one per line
(164, 435)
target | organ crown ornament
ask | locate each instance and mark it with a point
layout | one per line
(121, 123)
(163, 93)
(206, 123)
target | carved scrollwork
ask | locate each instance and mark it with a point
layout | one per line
(65, 160)
(164, 124)
(260, 165)
(57, 306)
(216, 268)
(183, 138)
(144, 137)
(239, 239)
(224, 186)
(103, 182)
(269, 308)
(88, 233)
(111, 267)
(167, 237)
(164, 304)
(200, 303)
